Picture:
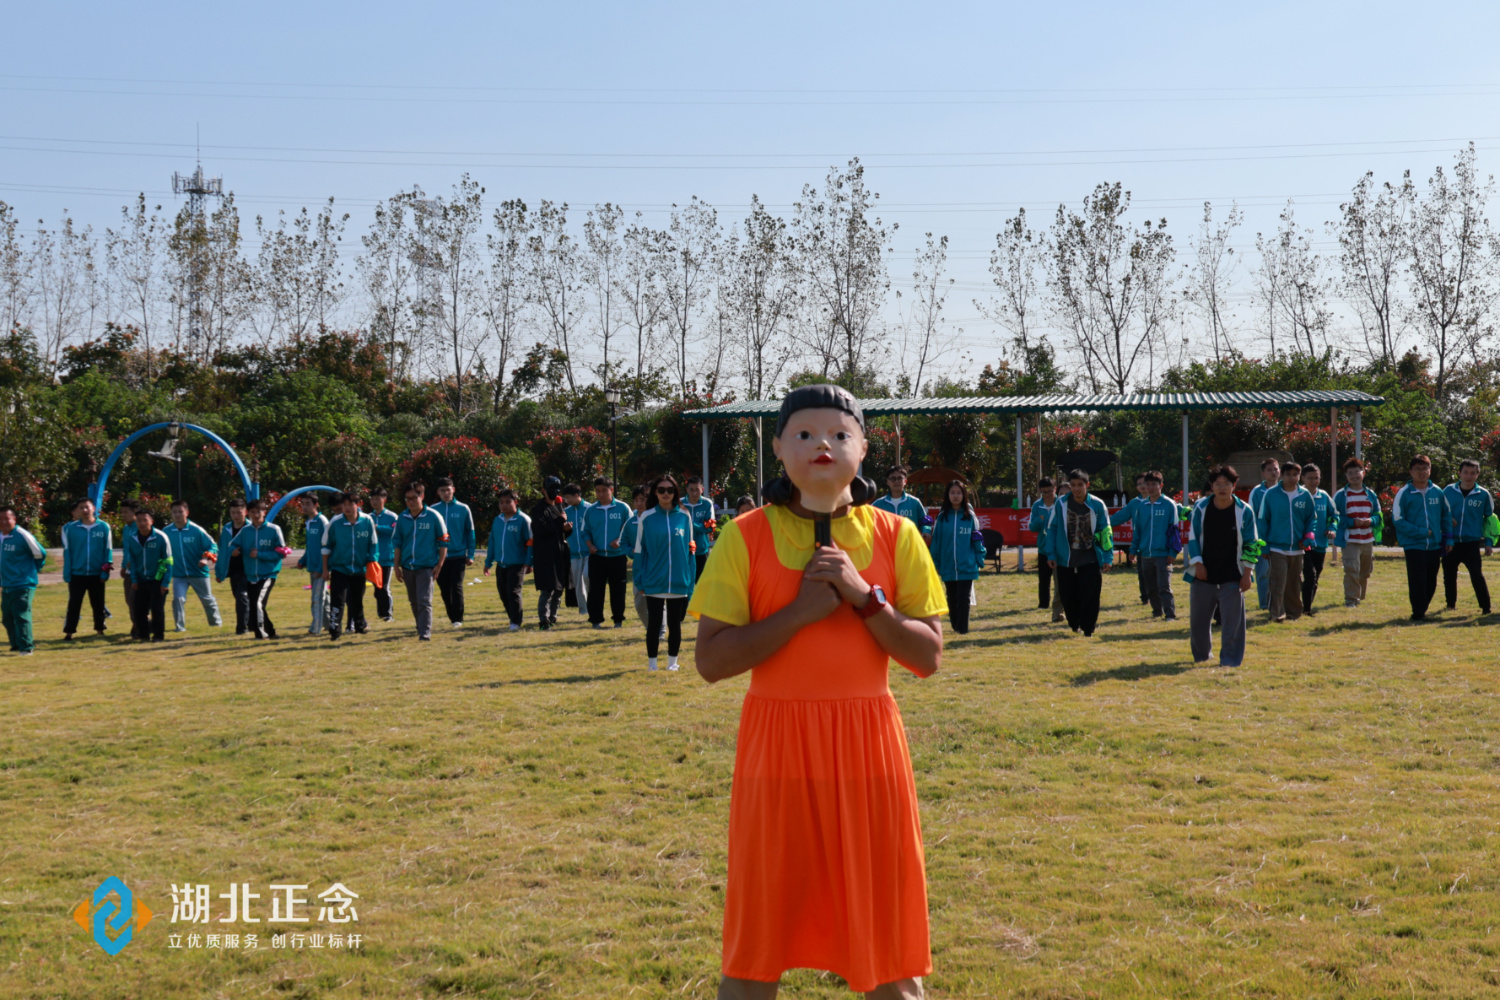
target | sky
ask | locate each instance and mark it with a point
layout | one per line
(962, 113)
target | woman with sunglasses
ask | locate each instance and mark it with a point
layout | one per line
(958, 552)
(666, 540)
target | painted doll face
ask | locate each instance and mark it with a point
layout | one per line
(821, 449)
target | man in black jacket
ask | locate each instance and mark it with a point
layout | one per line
(550, 559)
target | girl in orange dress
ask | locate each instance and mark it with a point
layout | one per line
(825, 841)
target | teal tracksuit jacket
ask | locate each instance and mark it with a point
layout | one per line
(1285, 520)
(312, 544)
(226, 543)
(577, 545)
(957, 545)
(1057, 548)
(462, 541)
(149, 558)
(419, 538)
(1150, 523)
(1325, 519)
(265, 542)
(662, 550)
(510, 541)
(1423, 520)
(88, 549)
(21, 555)
(385, 535)
(605, 523)
(908, 507)
(189, 545)
(1245, 531)
(1466, 514)
(350, 547)
(702, 512)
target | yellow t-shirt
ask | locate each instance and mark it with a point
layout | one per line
(723, 592)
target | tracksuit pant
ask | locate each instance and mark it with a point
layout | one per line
(672, 610)
(419, 596)
(1044, 575)
(1359, 562)
(508, 580)
(1080, 586)
(129, 601)
(346, 595)
(93, 587)
(201, 586)
(240, 590)
(1469, 555)
(1422, 568)
(1156, 572)
(1141, 574)
(1204, 600)
(15, 615)
(607, 571)
(1312, 570)
(149, 611)
(450, 581)
(318, 606)
(1286, 586)
(702, 560)
(578, 571)
(960, 592)
(383, 592)
(547, 602)
(257, 594)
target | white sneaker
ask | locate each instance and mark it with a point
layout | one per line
(651, 663)
(515, 628)
(672, 664)
(28, 652)
(183, 629)
(458, 624)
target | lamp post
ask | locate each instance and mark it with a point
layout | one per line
(612, 397)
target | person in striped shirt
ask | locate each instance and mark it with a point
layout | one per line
(1359, 523)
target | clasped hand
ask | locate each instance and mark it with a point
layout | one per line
(828, 580)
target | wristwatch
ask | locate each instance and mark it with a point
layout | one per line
(874, 604)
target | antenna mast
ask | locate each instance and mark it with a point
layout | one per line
(198, 189)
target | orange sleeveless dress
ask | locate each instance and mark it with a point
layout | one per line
(825, 840)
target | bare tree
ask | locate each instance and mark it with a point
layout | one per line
(643, 293)
(1019, 257)
(61, 264)
(1371, 232)
(552, 267)
(1293, 286)
(15, 272)
(687, 265)
(761, 295)
(297, 278)
(602, 270)
(505, 288)
(208, 276)
(1451, 264)
(1210, 278)
(1110, 285)
(389, 277)
(446, 247)
(923, 343)
(841, 246)
(135, 257)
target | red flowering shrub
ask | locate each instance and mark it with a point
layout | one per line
(478, 475)
(573, 454)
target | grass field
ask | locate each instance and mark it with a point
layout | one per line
(533, 815)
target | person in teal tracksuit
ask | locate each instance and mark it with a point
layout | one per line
(1126, 515)
(88, 558)
(603, 533)
(1046, 579)
(704, 519)
(192, 550)
(1153, 525)
(1324, 531)
(261, 546)
(1080, 546)
(510, 552)
(958, 551)
(385, 534)
(231, 565)
(1284, 518)
(1469, 506)
(349, 546)
(574, 507)
(1424, 530)
(421, 549)
(1270, 473)
(313, 526)
(902, 503)
(462, 544)
(21, 557)
(1222, 548)
(149, 554)
(664, 542)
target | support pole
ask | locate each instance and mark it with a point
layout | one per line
(1333, 442)
(1020, 497)
(1185, 499)
(896, 419)
(760, 476)
(1359, 442)
(1039, 472)
(707, 490)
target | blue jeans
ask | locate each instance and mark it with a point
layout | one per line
(201, 586)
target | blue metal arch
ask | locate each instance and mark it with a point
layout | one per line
(276, 509)
(96, 491)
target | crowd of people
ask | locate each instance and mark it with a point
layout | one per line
(582, 554)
